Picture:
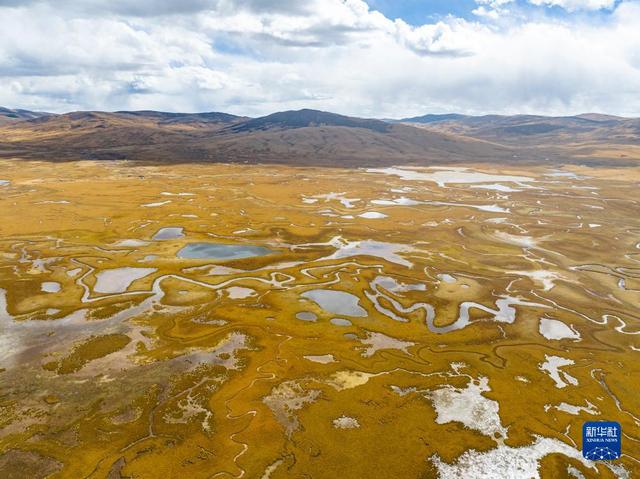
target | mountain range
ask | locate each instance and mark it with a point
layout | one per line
(312, 137)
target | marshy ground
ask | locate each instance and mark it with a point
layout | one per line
(210, 321)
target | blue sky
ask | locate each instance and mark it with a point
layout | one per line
(418, 12)
(374, 58)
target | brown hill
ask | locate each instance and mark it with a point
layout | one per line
(535, 130)
(8, 115)
(311, 137)
(587, 138)
(298, 137)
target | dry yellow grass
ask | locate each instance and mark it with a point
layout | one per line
(184, 376)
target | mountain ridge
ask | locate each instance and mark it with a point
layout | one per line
(314, 137)
(307, 118)
(9, 115)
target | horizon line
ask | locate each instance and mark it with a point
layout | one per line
(323, 111)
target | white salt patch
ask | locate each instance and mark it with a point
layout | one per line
(53, 202)
(322, 359)
(488, 208)
(618, 470)
(507, 462)
(378, 341)
(404, 189)
(50, 287)
(118, 280)
(390, 284)
(167, 193)
(402, 201)
(552, 366)
(554, 329)
(328, 213)
(457, 366)
(545, 277)
(4, 313)
(523, 241)
(271, 468)
(238, 292)
(497, 187)
(574, 472)
(372, 215)
(575, 410)
(469, 407)
(562, 174)
(403, 391)
(285, 399)
(222, 270)
(449, 175)
(346, 202)
(346, 422)
(387, 251)
(40, 264)
(131, 243)
(159, 203)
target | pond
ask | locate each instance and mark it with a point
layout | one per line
(336, 302)
(221, 251)
(168, 233)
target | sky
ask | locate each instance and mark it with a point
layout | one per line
(375, 58)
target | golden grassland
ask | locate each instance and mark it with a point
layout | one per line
(201, 368)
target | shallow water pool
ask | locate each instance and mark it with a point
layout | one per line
(221, 251)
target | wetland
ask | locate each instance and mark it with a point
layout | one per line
(253, 321)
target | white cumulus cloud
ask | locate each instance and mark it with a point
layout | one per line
(573, 5)
(258, 56)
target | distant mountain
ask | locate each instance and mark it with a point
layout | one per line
(305, 137)
(535, 130)
(585, 120)
(308, 118)
(433, 118)
(8, 115)
(176, 118)
(599, 117)
(147, 116)
(88, 130)
(311, 137)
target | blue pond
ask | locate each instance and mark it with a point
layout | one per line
(221, 251)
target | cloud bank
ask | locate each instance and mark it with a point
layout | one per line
(258, 56)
